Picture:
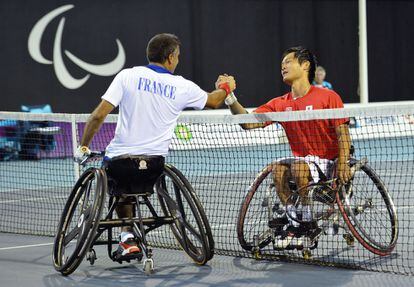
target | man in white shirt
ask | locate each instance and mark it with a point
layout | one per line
(150, 99)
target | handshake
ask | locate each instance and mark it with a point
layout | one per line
(228, 84)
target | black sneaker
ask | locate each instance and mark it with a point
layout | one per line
(278, 222)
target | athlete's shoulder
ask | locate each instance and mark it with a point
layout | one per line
(127, 71)
(184, 82)
(329, 98)
(274, 105)
(324, 92)
(282, 98)
(139, 69)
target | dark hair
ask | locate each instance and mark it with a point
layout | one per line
(303, 54)
(161, 46)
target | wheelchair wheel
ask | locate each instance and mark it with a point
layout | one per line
(207, 228)
(369, 211)
(191, 228)
(79, 220)
(258, 207)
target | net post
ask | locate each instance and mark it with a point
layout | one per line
(74, 146)
(363, 53)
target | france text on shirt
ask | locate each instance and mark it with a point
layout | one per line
(161, 89)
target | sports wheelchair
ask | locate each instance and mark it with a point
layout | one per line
(364, 205)
(82, 223)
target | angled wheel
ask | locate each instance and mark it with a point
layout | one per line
(79, 221)
(190, 228)
(369, 211)
(206, 224)
(258, 207)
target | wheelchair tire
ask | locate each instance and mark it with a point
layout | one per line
(79, 221)
(253, 218)
(192, 193)
(369, 211)
(190, 228)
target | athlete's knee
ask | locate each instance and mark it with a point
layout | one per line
(300, 170)
(280, 172)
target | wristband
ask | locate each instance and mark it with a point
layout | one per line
(225, 86)
(230, 99)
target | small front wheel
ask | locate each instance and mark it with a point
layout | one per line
(91, 256)
(148, 266)
(306, 254)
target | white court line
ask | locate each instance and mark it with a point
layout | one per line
(215, 226)
(25, 246)
(32, 199)
(38, 189)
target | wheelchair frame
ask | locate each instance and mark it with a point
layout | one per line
(342, 195)
(89, 225)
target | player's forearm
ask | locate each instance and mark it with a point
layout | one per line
(95, 121)
(91, 128)
(215, 99)
(344, 143)
(236, 109)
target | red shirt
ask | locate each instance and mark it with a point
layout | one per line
(312, 137)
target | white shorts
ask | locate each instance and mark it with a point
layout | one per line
(325, 165)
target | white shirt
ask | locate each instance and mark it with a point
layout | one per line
(150, 100)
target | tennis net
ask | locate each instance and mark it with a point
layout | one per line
(222, 161)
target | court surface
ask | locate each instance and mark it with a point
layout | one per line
(26, 261)
(41, 211)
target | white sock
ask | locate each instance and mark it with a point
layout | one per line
(125, 235)
(291, 210)
(306, 213)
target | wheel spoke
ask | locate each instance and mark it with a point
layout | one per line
(79, 220)
(190, 229)
(71, 235)
(370, 212)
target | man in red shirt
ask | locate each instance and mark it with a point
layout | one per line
(315, 142)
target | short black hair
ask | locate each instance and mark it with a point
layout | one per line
(161, 46)
(303, 54)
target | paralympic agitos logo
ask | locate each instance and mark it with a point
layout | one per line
(63, 75)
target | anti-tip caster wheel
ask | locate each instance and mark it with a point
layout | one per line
(306, 254)
(91, 256)
(148, 266)
(350, 240)
(257, 254)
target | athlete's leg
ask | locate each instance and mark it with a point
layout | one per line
(301, 174)
(281, 176)
(124, 209)
(119, 175)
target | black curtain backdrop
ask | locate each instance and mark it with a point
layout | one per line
(245, 38)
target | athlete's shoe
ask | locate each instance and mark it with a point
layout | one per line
(289, 240)
(128, 248)
(279, 219)
(278, 222)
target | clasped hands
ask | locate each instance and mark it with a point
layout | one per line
(226, 83)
